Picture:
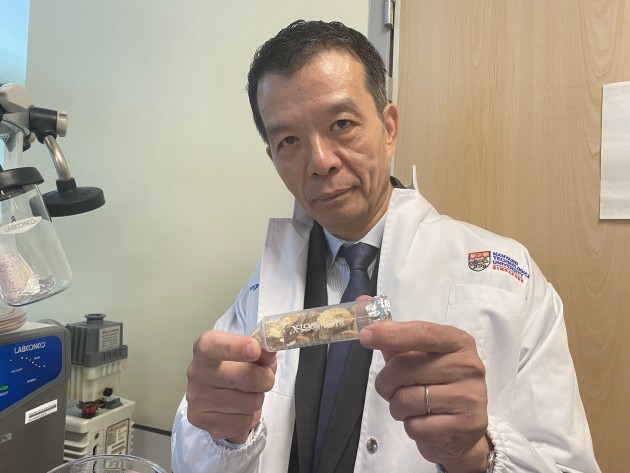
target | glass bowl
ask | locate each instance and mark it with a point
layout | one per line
(109, 464)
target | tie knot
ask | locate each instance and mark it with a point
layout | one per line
(359, 255)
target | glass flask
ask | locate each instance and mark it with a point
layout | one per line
(33, 265)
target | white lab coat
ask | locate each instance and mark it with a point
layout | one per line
(536, 418)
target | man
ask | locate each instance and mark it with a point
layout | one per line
(474, 375)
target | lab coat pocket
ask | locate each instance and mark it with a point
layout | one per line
(495, 319)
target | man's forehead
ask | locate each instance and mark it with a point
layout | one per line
(331, 73)
(331, 82)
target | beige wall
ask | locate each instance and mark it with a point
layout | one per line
(159, 119)
(501, 111)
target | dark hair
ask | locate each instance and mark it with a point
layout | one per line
(296, 44)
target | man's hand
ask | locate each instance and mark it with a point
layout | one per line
(444, 358)
(227, 379)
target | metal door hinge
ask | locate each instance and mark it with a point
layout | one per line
(388, 13)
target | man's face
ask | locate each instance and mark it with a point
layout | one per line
(328, 142)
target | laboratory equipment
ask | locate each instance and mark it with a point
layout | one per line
(97, 420)
(320, 325)
(11, 318)
(33, 264)
(34, 373)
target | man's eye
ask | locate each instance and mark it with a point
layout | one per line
(341, 124)
(288, 141)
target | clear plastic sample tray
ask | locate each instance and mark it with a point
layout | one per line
(320, 325)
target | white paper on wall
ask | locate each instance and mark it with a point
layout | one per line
(614, 202)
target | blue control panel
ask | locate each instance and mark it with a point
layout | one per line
(26, 366)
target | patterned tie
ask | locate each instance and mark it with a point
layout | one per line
(358, 256)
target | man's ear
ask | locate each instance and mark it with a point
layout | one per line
(390, 119)
(268, 150)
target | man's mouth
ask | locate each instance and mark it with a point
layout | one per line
(331, 196)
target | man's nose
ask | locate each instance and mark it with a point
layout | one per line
(323, 157)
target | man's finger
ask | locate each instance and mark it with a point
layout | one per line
(267, 359)
(215, 345)
(414, 336)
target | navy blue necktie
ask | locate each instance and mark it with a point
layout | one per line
(358, 256)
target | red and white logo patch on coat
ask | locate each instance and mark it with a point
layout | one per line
(479, 260)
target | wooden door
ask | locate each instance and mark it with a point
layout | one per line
(500, 105)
